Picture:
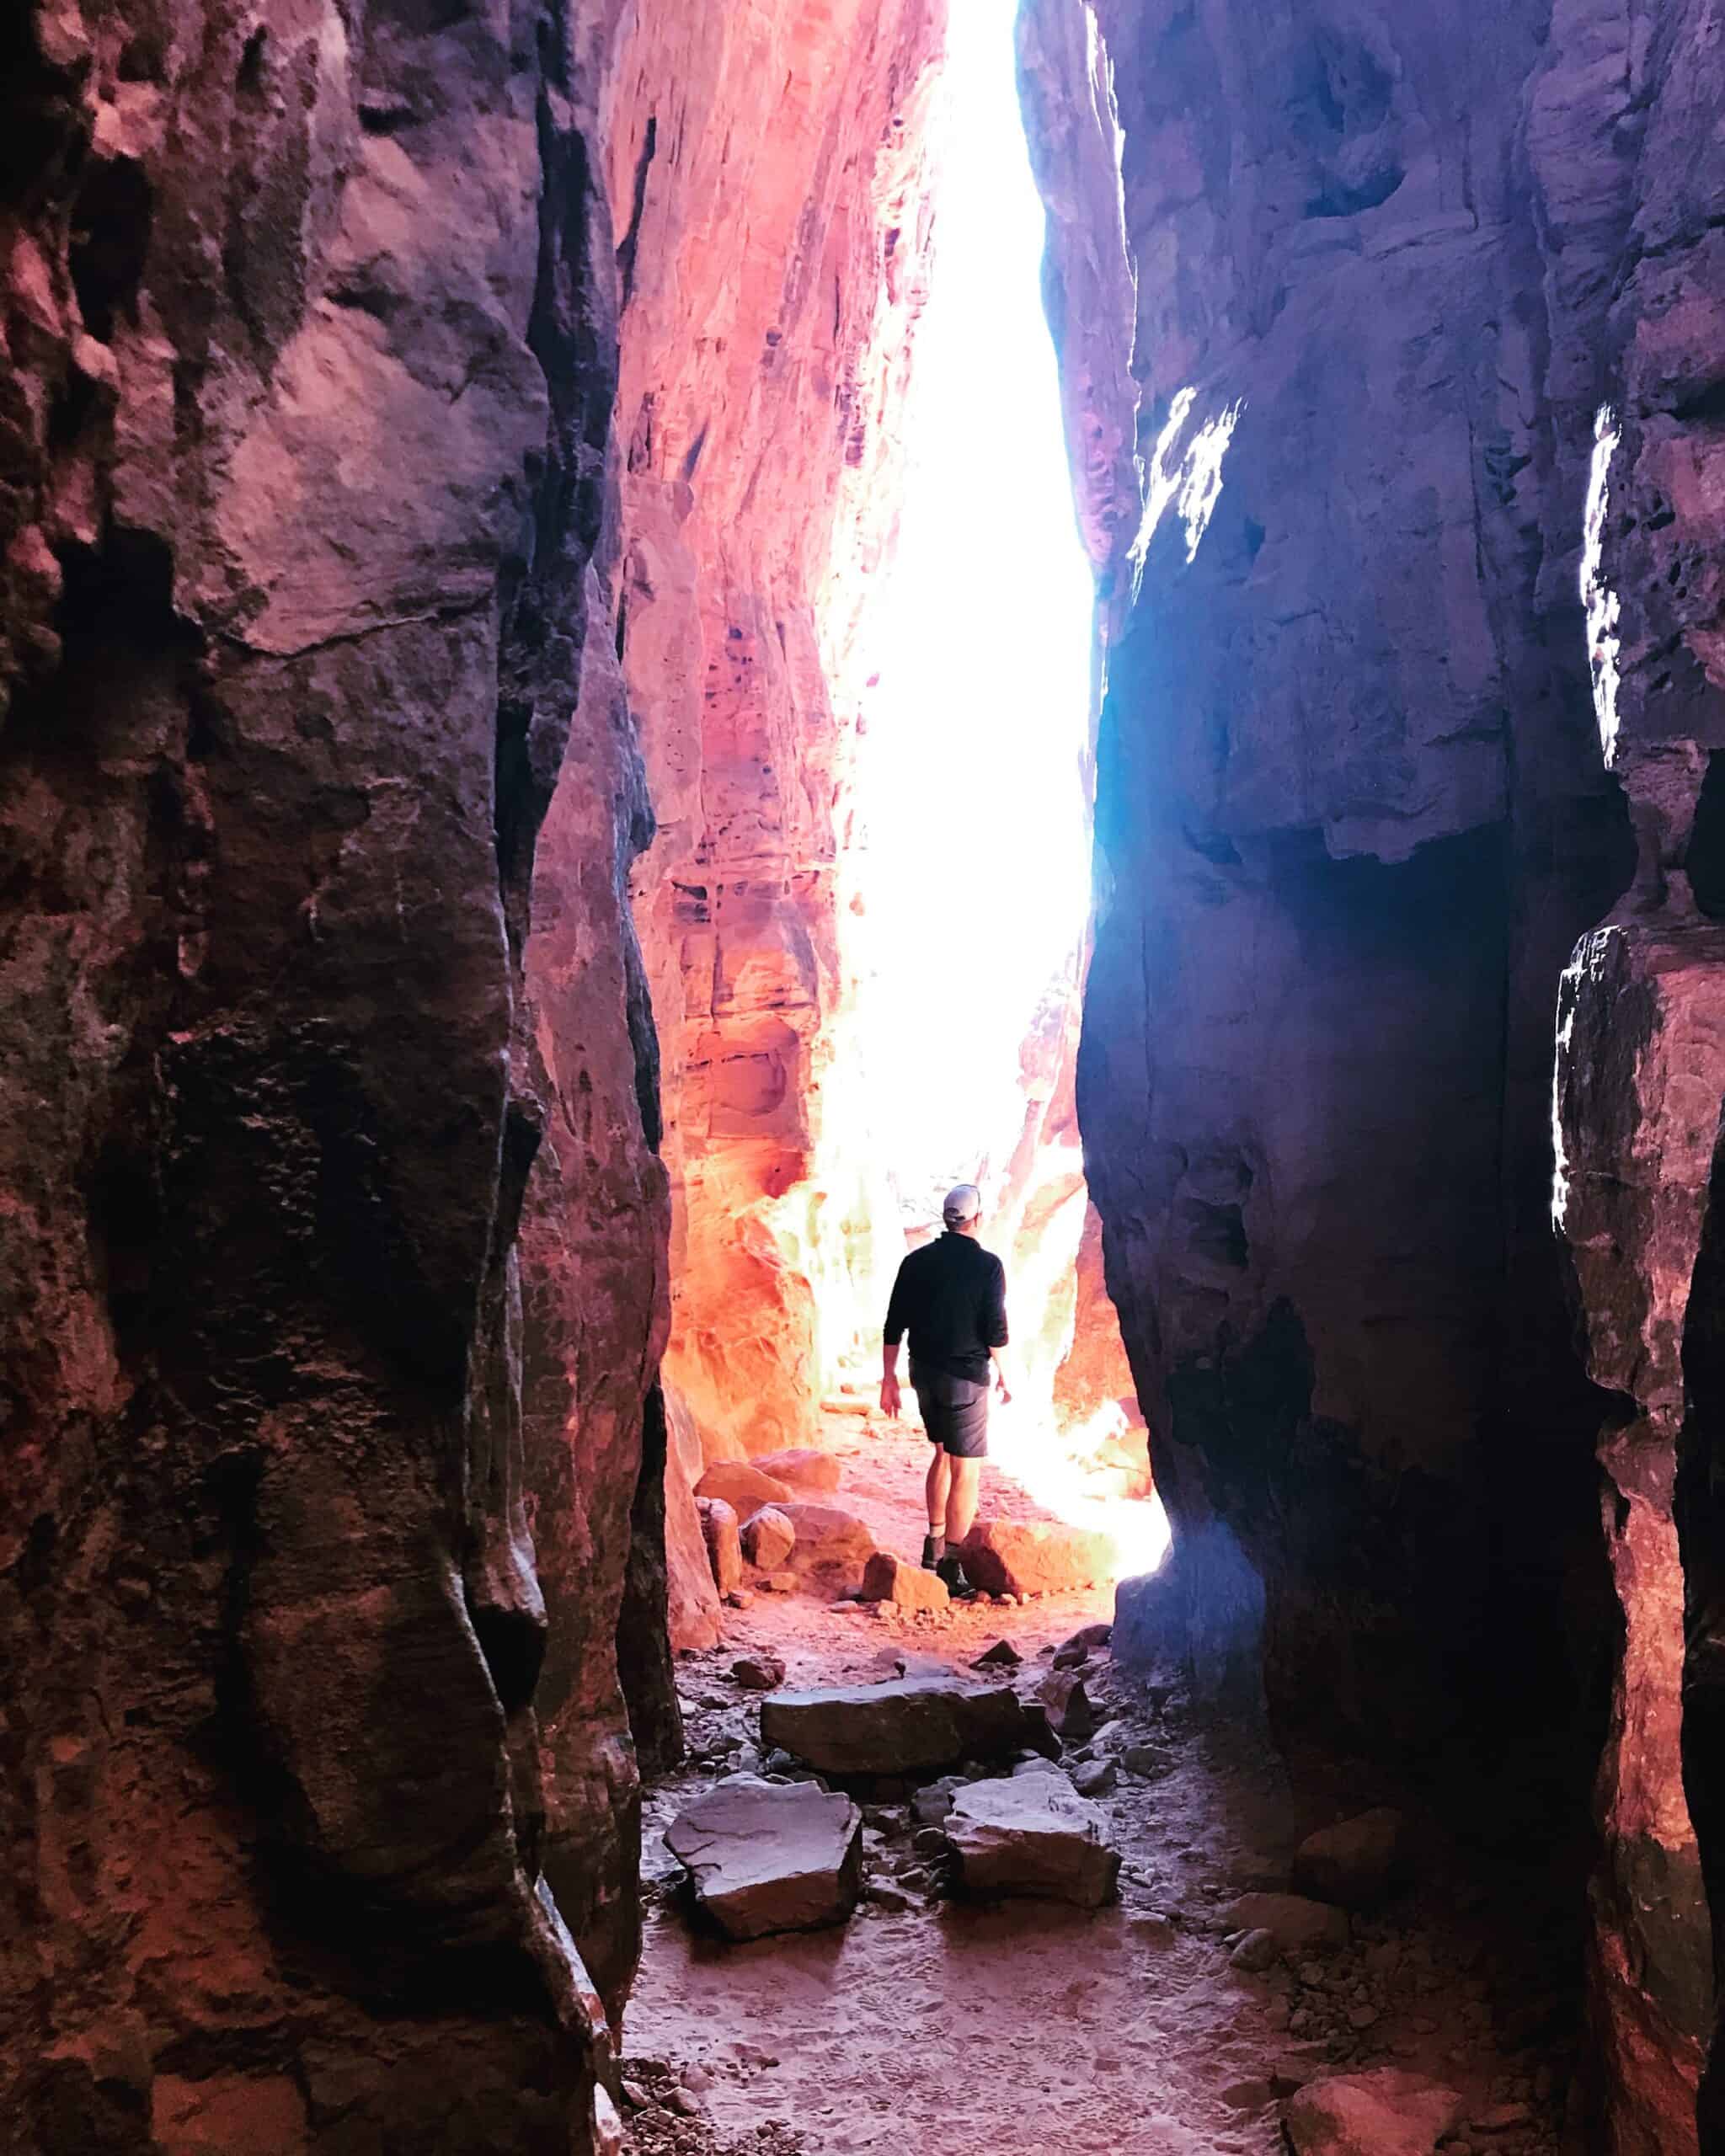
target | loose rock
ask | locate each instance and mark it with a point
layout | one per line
(1003, 1655)
(887, 1578)
(832, 1549)
(743, 1485)
(1357, 1863)
(1034, 1557)
(768, 1537)
(771, 1856)
(1070, 1714)
(758, 1673)
(917, 1725)
(1032, 1835)
(724, 1548)
(1297, 1925)
(1096, 1778)
(1386, 2112)
(1256, 1951)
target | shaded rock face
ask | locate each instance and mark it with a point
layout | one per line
(1397, 706)
(766, 175)
(305, 394)
(1352, 814)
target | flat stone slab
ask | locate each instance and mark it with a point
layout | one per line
(771, 1856)
(915, 1725)
(1004, 1556)
(1032, 1834)
(1386, 2112)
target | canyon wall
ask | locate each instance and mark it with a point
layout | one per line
(768, 171)
(1353, 815)
(306, 510)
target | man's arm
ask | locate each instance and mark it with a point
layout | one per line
(891, 1400)
(994, 1330)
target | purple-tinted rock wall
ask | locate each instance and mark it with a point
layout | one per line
(1353, 815)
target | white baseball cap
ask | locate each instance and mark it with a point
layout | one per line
(963, 1202)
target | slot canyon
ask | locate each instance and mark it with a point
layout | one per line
(467, 1681)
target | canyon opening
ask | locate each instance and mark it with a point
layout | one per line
(570, 598)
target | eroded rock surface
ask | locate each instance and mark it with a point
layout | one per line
(766, 172)
(1402, 637)
(305, 396)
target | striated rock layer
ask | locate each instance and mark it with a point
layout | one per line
(1377, 272)
(305, 396)
(766, 173)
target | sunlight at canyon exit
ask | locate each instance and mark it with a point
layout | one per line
(973, 785)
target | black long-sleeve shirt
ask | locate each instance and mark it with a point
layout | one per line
(951, 1297)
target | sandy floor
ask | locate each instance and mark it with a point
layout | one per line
(1028, 2028)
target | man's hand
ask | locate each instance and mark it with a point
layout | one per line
(1001, 1388)
(891, 1401)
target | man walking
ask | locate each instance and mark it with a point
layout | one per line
(950, 1296)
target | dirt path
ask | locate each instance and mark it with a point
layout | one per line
(1028, 2028)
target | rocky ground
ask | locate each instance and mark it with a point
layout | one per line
(1148, 2028)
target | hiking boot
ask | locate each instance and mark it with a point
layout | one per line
(933, 1547)
(951, 1572)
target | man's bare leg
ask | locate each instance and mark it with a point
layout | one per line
(961, 1499)
(939, 1483)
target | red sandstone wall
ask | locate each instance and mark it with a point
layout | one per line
(306, 374)
(766, 168)
(1352, 814)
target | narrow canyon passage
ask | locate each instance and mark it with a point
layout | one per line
(1165, 2024)
(562, 778)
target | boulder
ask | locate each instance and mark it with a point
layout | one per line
(887, 1578)
(1070, 1714)
(1297, 1925)
(1032, 1835)
(1003, 1655)
(1095, 1777)
(692, 1598)
(1356, 1863)
(724, 1548)
(740, 1483)
(1035, 1557)
(915, 1725)
(758, 1673)
(771, 1856)
(802, 1469)
(1386, 2112)
(768, 1539)
(831, 1548)
(1087, 1639)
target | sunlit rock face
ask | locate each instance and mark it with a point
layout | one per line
(1353, 812)
(766, 177)
(305, 392)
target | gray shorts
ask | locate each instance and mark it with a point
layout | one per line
(954, 1412)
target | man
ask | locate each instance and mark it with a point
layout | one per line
(951, 1297)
